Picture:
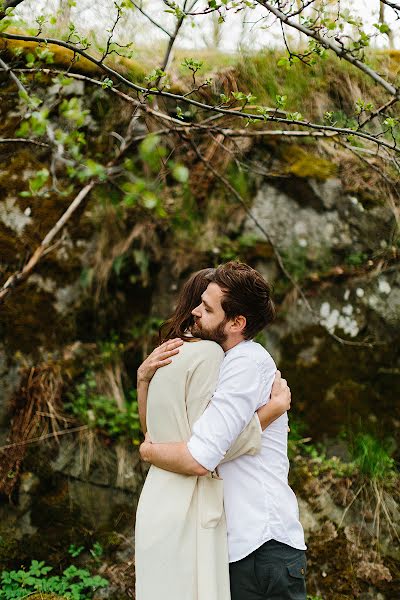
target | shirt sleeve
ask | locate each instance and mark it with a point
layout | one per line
(238, 395)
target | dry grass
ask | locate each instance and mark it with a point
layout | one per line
(37, 410)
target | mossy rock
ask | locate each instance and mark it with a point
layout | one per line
(62, 57)
(305, 164)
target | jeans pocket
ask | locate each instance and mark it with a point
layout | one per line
(296, 584)
(297, 568)
(211, 500)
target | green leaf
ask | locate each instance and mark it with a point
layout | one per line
(107, 83)
(180, 173)
(283, 62)
(382, 27)
(30, 59)
(39, 180)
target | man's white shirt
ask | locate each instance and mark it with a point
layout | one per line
(259, 504)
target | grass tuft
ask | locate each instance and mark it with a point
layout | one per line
(373, 457)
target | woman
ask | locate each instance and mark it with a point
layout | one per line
(181, 540)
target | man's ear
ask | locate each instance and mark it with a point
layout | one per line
(238, 324)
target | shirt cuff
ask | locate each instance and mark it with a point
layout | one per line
(203, 454)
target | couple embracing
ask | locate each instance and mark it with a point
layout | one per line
(216, 518)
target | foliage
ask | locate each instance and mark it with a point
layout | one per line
(73, 584)
(373, 457)
(319, 462)
(101, 412)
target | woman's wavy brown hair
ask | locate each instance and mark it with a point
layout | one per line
(190, 297)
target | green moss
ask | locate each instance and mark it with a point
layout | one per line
(62, 57)
(30, 322)
(9, 550)
(304, 164)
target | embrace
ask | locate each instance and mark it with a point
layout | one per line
(216, 518)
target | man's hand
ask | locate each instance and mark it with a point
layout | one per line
(279, 403)
(145, 448)
(160, 357)
(174, 457)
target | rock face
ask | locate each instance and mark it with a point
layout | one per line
(314, 233)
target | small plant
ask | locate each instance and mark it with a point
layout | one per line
(75, 551)
(372, 457)
(73, 584)
(356, 259)
(97, 550)
(100, 411)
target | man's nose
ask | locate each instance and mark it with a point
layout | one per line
(196, 311)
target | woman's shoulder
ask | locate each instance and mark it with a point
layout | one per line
(205, 348)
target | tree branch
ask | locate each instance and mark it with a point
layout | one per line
(7, 69)
(340, 51)
(202, 105)
(379, 110)
(394, 5)
(19, 277)
(23, 141)
(140, 9)
(8, 4)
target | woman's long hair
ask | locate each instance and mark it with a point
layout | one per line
(190, 297)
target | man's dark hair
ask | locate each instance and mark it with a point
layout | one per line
(245, 292)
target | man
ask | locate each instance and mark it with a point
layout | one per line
(265, 538)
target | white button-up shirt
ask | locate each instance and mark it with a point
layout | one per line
(259, 504)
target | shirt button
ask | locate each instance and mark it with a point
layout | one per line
(302, 571)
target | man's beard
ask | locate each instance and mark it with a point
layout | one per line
(215, 335)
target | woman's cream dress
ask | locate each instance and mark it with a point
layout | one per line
(180, 538)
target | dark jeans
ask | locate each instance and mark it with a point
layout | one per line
(274, 571)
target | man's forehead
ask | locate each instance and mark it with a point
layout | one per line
(213, 293)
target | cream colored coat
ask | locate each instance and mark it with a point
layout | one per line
(180, 538)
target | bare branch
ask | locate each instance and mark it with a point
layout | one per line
(46, 436)
(379, 110)
(23, 141)
(19, 277)
(394, 5)
(8, 4)
(7, 69)
(140, 9)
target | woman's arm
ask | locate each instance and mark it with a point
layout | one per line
(280, 402)
(160, 357)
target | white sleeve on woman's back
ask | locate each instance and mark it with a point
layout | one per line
(239, 393)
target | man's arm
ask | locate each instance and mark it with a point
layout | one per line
(173, 456)
(232, 407)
